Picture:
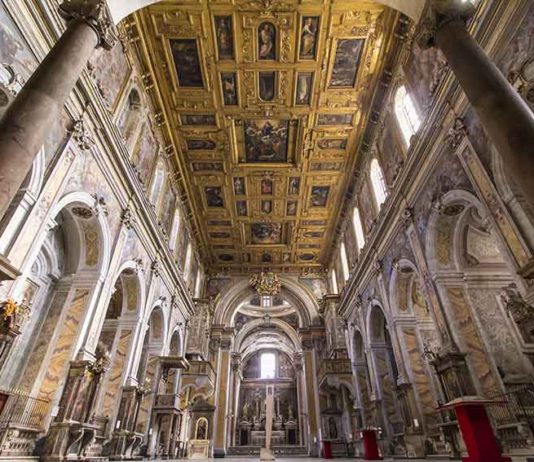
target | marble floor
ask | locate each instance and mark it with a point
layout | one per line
(304, 459)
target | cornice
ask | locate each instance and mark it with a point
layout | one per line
(44, 32)
(425, 152)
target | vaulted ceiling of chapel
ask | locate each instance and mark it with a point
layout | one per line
(266, 104)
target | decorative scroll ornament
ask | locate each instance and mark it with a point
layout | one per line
(13, 314)
(101, 363)
(266, 283)
(516, 305)
(96, 14)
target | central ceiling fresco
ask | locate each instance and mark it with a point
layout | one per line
(266, 103)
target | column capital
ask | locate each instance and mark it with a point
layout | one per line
(439, 13)
(96, 14)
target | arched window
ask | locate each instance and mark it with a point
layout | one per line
(333, 282)
(187, 264)
(344, 261)
(198, 283)
(268, 365)
(174, 231)
(378, 183)
(407, 116)
(358, 228)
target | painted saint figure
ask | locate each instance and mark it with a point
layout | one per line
(308, 37)
(266, 41)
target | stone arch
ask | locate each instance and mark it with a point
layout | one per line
(468, 248)
(376, 322)
(232, 296)
(281, 324)
(119, 9)
(461, 235)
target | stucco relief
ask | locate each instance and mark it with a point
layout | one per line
(389, 150)
(448, 175)
(109, 70)
(497, 333)
(425, 70)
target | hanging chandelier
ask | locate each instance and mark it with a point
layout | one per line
(266, 283)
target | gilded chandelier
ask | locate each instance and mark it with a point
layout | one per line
(266, 283)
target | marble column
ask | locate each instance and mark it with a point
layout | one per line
(27, 122)
(505, 117)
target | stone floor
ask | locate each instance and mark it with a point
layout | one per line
(311, 459)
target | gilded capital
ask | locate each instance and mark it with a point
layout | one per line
(96, 14)
(439, 13)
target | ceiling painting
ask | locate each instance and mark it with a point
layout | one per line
(265, 103)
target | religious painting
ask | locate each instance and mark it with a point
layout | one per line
(313, 234)
(266, 41)
(267, 85)
(267, 186)
(198, 120)
(267, 206)
(219, 223)
(226, 257)
(239, 186)
(294, 186)
(307, 257)
(200, 145)
(326, 166)
(304, 88)
(207, 166)
(319, 196)
(187, 63)
(266, 233)
(291, 208)
(241, 208)
(225, 37)
(266, 140)
(332, 144)
(266, 257)
(308, 37)
(214, 196)
(220, 235)
(201, 432)
(334, 119)
(314, 222)
(229, 88)
(346, 62)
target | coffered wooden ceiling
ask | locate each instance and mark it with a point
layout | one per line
(266, 102)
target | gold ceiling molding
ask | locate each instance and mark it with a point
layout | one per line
(266, 103)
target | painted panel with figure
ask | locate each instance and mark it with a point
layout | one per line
(239, 186)
(208, 120)
(266, 41)
(346, 62)
(304, 88)
(187, 63)
(267, 85)
(319, 196)
(225, 37)
(200, 145)
(266, 140)
(266, 233)
(214, 196)
(308, 37)
(229, 88)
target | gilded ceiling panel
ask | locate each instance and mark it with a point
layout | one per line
(266, 102)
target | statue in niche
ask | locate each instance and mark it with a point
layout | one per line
(246, 411)
(332, 428)
(202, 429)
(290, 413)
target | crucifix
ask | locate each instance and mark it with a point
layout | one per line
(266, 453)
